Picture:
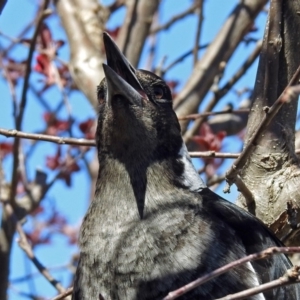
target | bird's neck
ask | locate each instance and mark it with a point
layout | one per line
(142, 185)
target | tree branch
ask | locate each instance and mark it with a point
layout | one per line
(219, 51)
(25, 246)
(48, 138)
(61, 296)
(116, 5)
(136, 27)
(7, 229)
(218, 94)
(199, 28)
(213, 113)
(256, 256)
(290, 277)
(181, 58)
(289, 94)
(91, 143)
(84, 21)
(271, 169)
(176, 18)
(44, 13)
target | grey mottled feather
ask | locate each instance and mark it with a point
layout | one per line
(153, 225)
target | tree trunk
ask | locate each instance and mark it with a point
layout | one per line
(272, 171)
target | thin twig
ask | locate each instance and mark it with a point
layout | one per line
(213, 154)
(199, 27)
(115, 5)
(44, 14)
(24, 294)
(181, 58)
(152, 51)
(48, 138)
(12, 90)
(213, 113)
(62, 90)
(256, 256)
(29, 276)
(91, 143)
(63, 295)
(71, 160)
(216, 180)
(20, 115)
(175, 18)
(21, 35)
(131, 12)
(290, 277)
(26, 247)
(223, 91)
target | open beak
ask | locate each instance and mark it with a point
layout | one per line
(120, 75)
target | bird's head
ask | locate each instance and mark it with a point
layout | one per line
(139, 131)
(136, 119)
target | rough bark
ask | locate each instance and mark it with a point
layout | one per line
(272, 171)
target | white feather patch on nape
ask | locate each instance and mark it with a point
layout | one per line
(255, 281)
(191, 178)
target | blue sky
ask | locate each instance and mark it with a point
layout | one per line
(73, 201)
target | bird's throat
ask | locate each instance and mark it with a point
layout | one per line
(135, 189)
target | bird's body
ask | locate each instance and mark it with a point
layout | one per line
(153, 226)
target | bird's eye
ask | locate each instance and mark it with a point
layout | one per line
(158, 92)
(101, 96)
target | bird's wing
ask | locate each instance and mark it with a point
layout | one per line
(256, 237)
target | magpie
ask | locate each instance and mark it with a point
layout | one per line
(153, 225)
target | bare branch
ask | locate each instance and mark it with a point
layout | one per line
(116, 5)
(91, 143)
(25, 246)
(63, 295)
(34, 274)
(290, 277)
(199, 27)
(290, 93)
(48, 138)
(218, 52)
(83, 22)
(213, 113)
(243, 69)
(256, 256)
(44, 13)
(176, 18)
(212, 154)
(21, 35)
(181, 58)
(215, 180)
(123, 36)
(135, 29)
(92, 15)
(271, 158)
(218, 94)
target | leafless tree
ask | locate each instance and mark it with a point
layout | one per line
(266, 171)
